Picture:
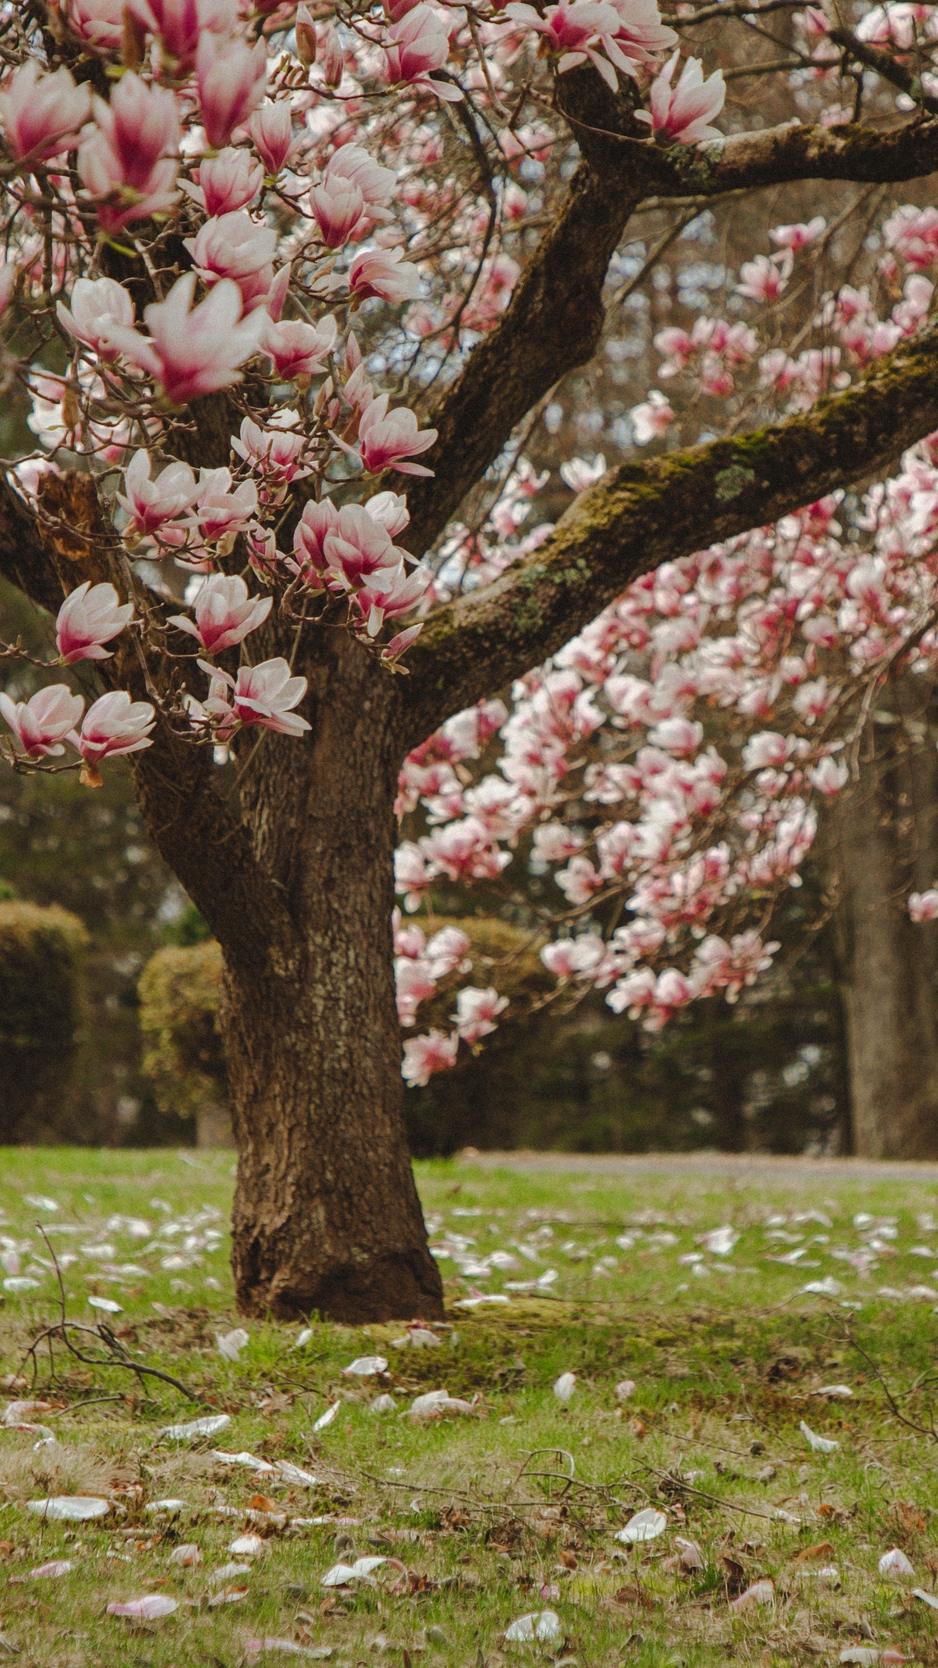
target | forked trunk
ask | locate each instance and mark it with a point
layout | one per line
(888, 844)
(326, 1214)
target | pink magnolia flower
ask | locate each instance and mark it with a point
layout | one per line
(388, 437)
(423, 1056)
(193, 350)
(384, 273)
(125, 162)
(113, 725)
(150, 504)
(417, 44)
(652, 418)
(765, 278)
(354, 547)
(331, 56)
(338, 207)
(276, 454)
(264, 695)
(575, 28)
(179, 25)
(272, 133)
(641, 35)
(42, 723)
(390, 510)
(413, 985)
(224, 613)
(237, 247)
(231, 79)
(97, 304)
(388, 596)
(477, 1011)
(685, 113)
(41, 114)
(219, 511)
(298, 349)
(569, 956)
(829, 776)
(375, 182)
(799, 236)
(99, 22)
(88, 618)
(317, 520)
(922, 906)
(227, 182)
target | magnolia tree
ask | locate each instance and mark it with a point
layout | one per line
(286, 293)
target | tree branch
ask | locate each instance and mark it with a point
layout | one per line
(555, 319)
(644, 513)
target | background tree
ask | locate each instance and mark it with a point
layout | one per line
(286, 844)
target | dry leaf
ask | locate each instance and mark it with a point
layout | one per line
(821, 1549)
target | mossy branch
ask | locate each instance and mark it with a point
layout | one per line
(644, 513)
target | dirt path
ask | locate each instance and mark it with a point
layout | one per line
(744, 1166)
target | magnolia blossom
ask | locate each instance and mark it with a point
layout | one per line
(386, 438)
(125, 162)
(97, 305)
(42, 723)
(224, 613)
(41, 114)
(685, 113)
(272, 133)
(376, 183)
(193, 350)
(922, 906)
(113, 725)
(298, 349)
(219, 511)
(417, 44)
(383, 273)
(425, 1055)
(179, 25)
(237, 247)
(227, 182)
(231, 79)
(652, 418)
(99, 22)
(477, 1011)
(264, 695)
(88, 618)
(339, 207)
(278, 455)
(151, 503)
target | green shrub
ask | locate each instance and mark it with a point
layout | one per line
(183, 1053)
(41, 951)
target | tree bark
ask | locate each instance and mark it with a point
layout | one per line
(326, 1214)
(887, 840)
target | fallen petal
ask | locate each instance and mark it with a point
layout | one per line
(646, 1525)
(209, 1426)
(70, 1508)
(147, 1609)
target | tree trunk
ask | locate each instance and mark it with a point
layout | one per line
(887, 839)
(326, 1214)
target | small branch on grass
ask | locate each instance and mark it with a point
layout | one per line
(681, 1486)
(116, 1355)
(891, 1399)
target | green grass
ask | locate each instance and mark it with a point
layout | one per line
(486, 1511)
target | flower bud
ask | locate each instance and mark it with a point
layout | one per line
(305, 36)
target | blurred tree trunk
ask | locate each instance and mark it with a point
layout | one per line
(886, 843)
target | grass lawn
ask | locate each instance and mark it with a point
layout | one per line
(511, 1506)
